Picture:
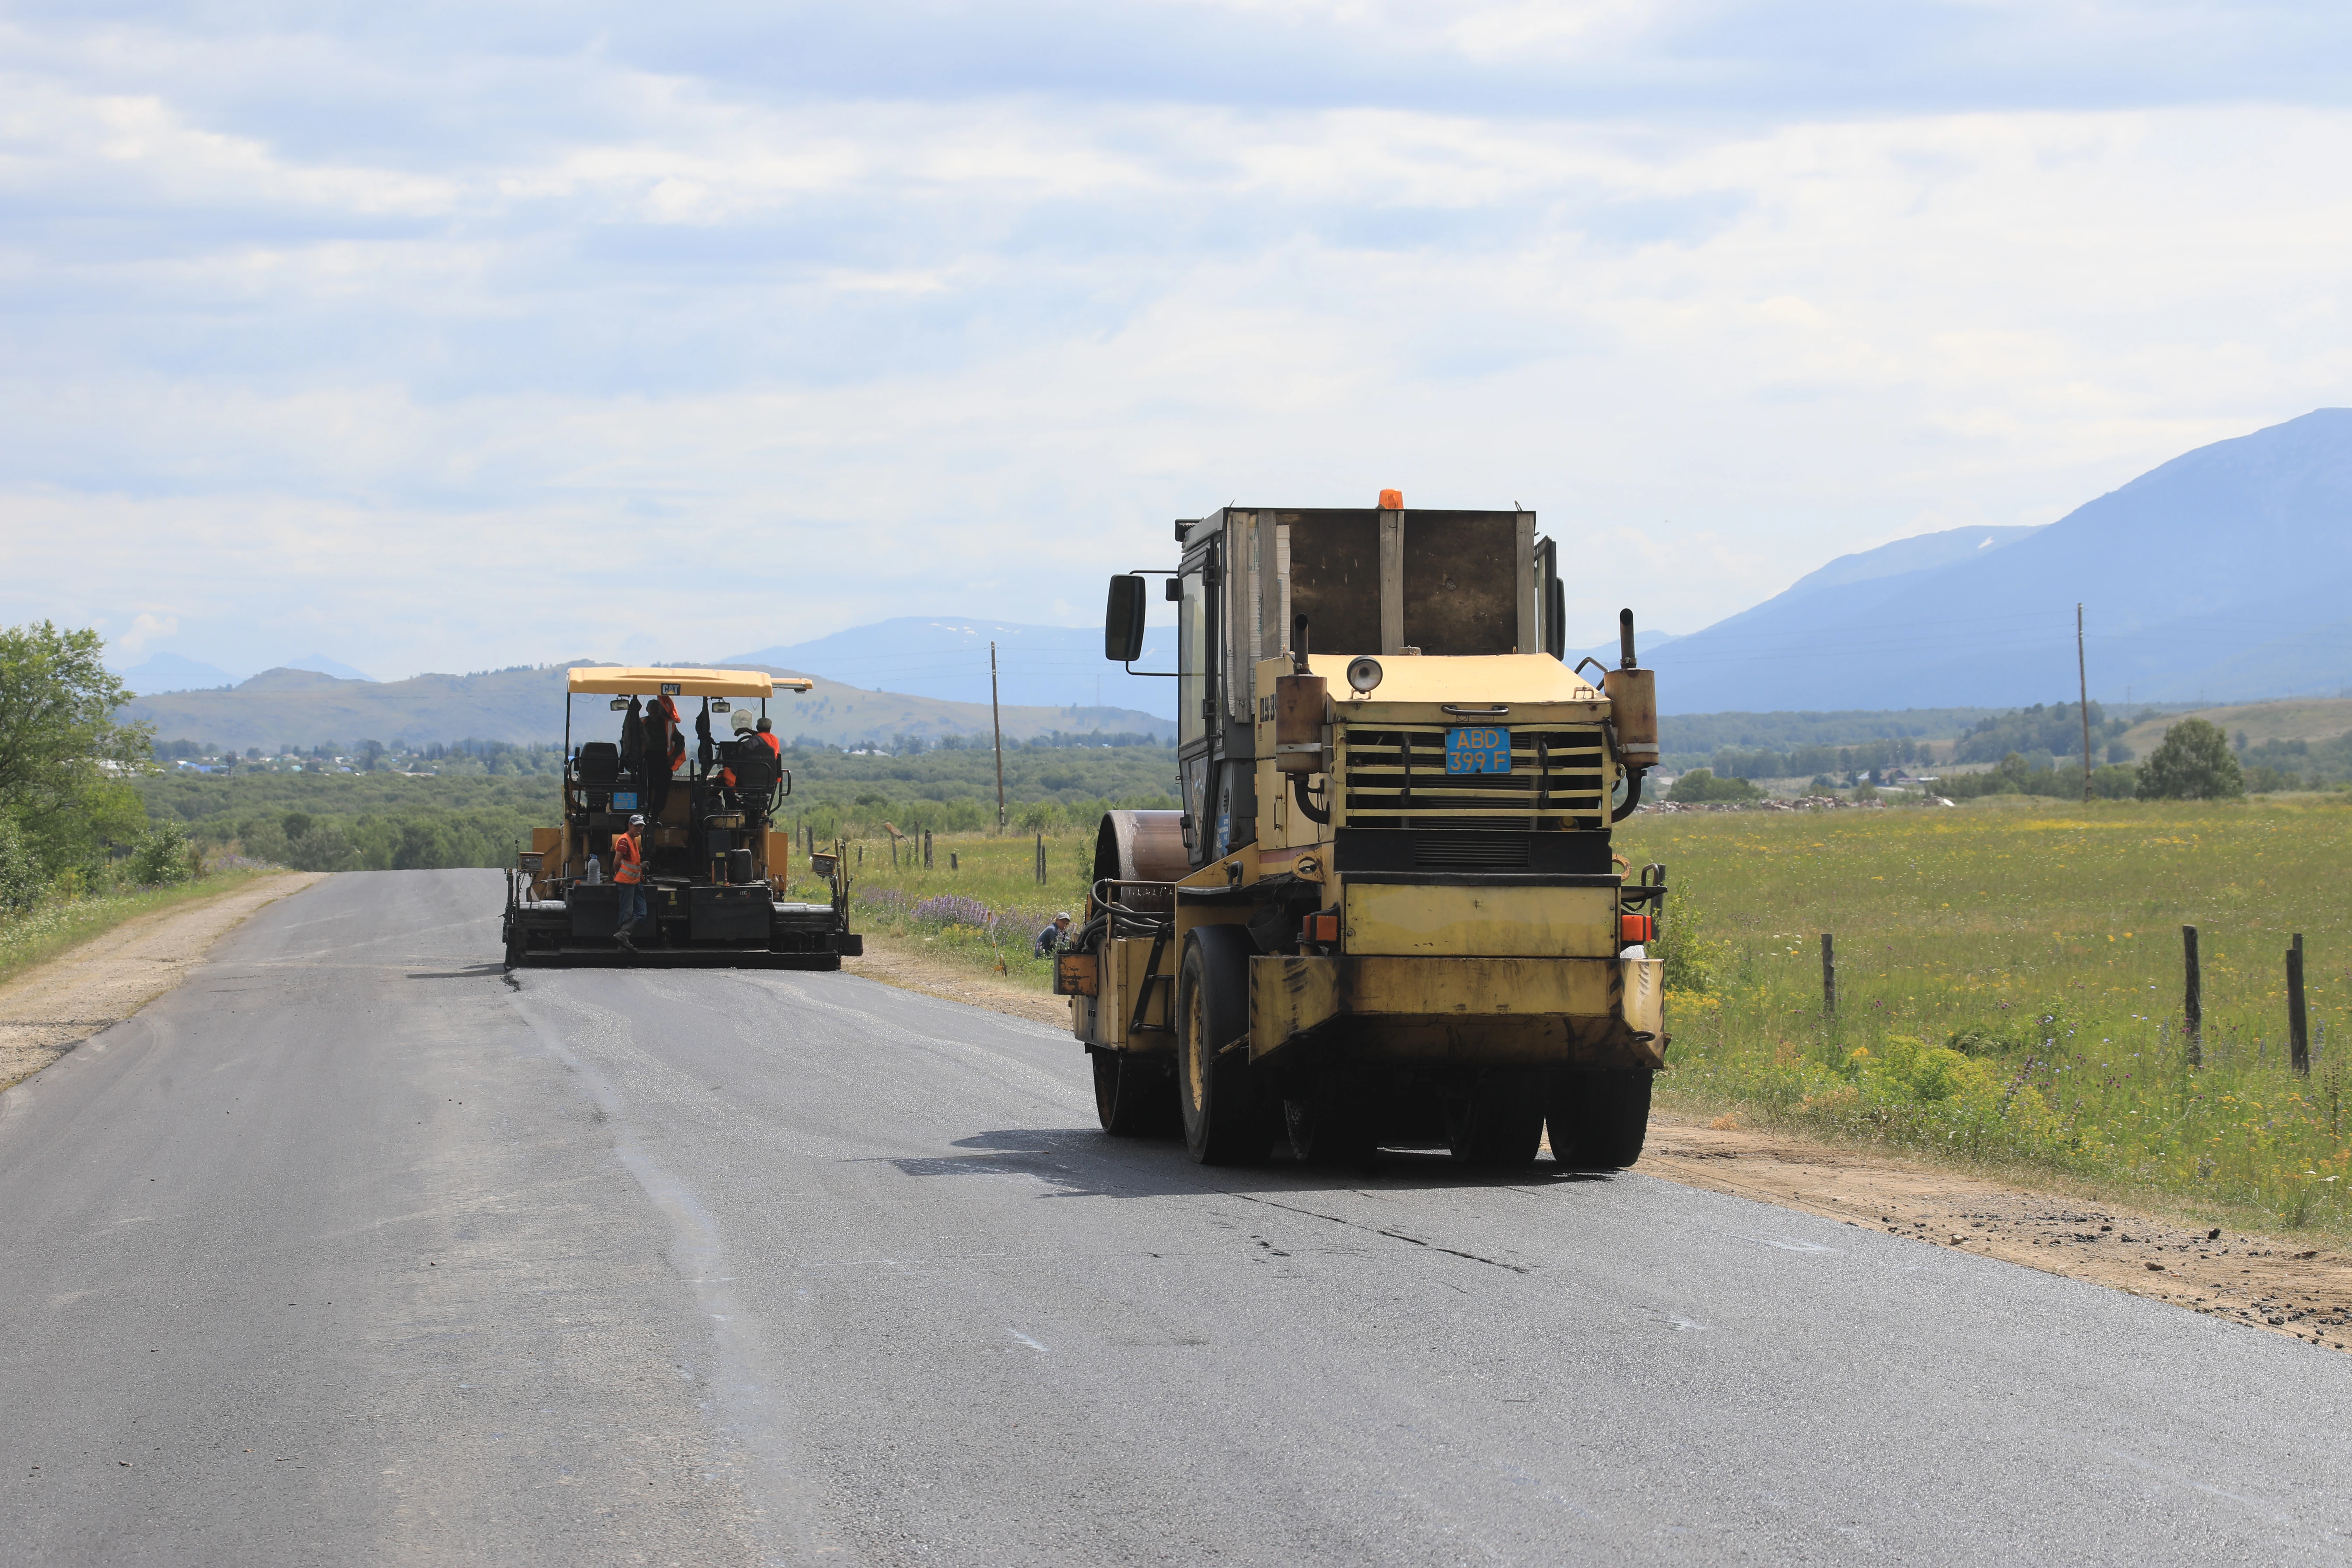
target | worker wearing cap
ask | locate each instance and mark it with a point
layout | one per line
(629, 874)
(1056, 934)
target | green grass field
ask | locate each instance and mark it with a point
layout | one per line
(1006, 907)
(2009, 985)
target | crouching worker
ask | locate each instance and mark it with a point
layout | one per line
(629, 874)
(1055, 937)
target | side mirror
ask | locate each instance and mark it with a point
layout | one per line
(1123, 620)
(788, 780)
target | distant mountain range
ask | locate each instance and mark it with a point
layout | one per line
(170, 672)
(2224, 574)
(946, 656)
(301, 708)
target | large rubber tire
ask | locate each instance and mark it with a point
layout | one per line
(1224, 1124)
(1598, 1119)
(1497, 1122)
(1135, 1097)
(1335, 1124)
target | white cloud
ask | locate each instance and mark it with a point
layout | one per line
(435, 382)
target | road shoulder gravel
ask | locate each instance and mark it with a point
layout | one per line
(2285, 1286)
(903, 964)
(48, 1010)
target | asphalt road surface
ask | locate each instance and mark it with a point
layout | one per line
(351, 1251)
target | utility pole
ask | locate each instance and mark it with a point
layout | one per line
(2082, 688)
(996, 723)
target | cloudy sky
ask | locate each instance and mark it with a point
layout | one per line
(439, 336)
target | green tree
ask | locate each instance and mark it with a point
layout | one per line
(162, 858)
(65, 762)
(1700, 786)
(21, 880)
(2193, 763)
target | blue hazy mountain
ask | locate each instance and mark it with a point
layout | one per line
(946, 657)
(300, 708)
(170, 672)
(2224, 574)
(319, 664)
(163, 672)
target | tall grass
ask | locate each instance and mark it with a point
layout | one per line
(33, 935)
(985, 912)
(2010, 985)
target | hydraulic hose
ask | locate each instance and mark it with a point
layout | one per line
(1307, 808)
(1632, 795)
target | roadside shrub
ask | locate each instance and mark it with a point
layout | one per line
(2117, 780)
(954, 909)
(263, 840)
(21, 882)
(322, 849)
(1694, 965)
(1975, 1042)
(163, 857)
(1700, 786)
(2194, 763)
(1918, 1070)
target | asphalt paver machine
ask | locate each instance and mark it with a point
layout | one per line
(1390, 912)
(715, 859)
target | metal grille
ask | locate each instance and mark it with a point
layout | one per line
(1397, 778)
(1470, 851)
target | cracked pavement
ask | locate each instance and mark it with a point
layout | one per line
(350, 1250)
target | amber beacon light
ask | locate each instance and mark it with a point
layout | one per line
(1391, 501)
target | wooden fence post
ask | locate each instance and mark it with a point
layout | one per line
(927, 849)
(952, 864)
(1041, 859)
(2298, 1022)
(2192, 999)
(1829, 976)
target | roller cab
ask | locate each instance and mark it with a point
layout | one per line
(1388, 914)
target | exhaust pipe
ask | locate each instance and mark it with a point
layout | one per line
(1633, 695)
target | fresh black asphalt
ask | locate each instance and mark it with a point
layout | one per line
(356, 1250)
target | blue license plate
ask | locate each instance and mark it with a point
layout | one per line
(1477, 751)
(624, 799)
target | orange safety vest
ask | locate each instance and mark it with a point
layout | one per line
(628, 859)
(775, 750)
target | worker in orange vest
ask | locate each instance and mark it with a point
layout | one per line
(745, 736)
(629, 875)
